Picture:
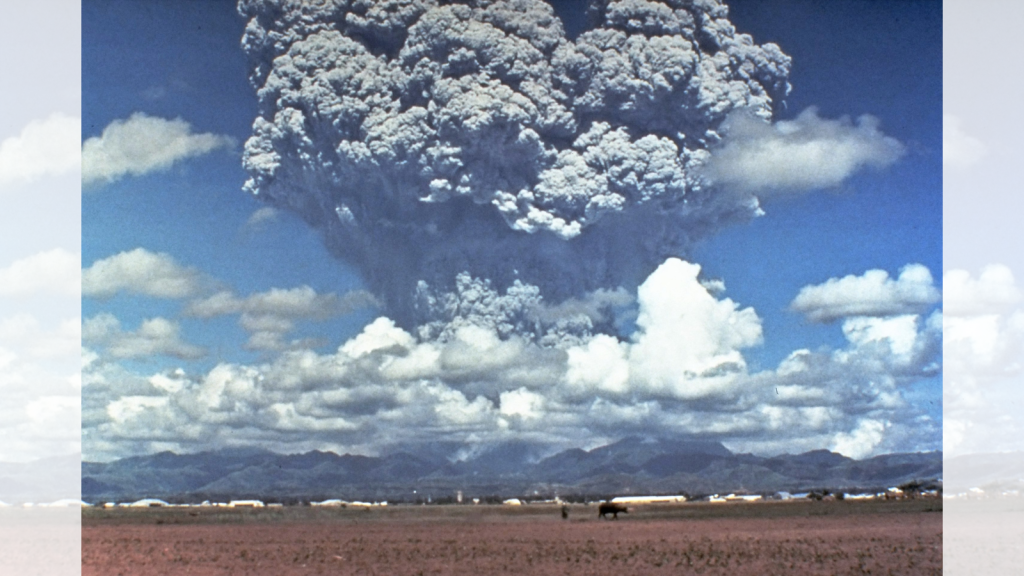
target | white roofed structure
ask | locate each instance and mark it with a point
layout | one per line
(648, 499)
(148, 503)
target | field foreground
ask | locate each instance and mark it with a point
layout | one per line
(824, 538)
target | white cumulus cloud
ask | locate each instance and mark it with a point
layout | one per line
(807, 153)
(155, 336)
(262, 217)
(861, 441)
(143, 144)
(681, 373)
(32, 340)
(301, 302)
(54, 271)
(994, 290)
(906, 342)
(38, 364)
(43, 147)
(140, 271)
(872, 294)
(269, 316)
(688, 342)
(984, 358)
(959, 149)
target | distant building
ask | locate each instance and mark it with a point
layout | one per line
(743, 498)
(648, 499)
(332, 502)
(735, 498)
(148, 503)
(67, 503)
(860, 497)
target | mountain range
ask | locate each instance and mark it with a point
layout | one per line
(991, 470)
(629, 466)
(42, 480)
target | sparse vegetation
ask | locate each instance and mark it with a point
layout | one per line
(877, 537)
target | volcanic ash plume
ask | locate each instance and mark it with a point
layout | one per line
(476, 164)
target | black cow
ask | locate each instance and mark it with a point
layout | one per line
(611, 508)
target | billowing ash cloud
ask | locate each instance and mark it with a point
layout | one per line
(453, 150)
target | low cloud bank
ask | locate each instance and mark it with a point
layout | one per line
(681, 372)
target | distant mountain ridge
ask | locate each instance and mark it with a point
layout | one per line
(981, 470)
(629, 466)
(44, 480)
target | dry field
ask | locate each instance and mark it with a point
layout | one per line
(984, 537)
(827, 538)
(39, 541)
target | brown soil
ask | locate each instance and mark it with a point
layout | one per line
(822, 538)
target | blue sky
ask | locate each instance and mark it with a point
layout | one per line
(982, 201)
(40, 303)
(849, 59)
(188, 64)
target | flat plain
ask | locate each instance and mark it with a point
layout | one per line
(803, 537)
(39, 541)
(984, 537)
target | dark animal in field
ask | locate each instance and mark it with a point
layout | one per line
(565, 512)
(611, 508)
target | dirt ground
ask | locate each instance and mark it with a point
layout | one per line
(735, 539)
(983, 537)
(39, 541)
